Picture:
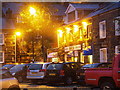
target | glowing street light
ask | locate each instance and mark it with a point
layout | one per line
(18, 33)
(32, 11)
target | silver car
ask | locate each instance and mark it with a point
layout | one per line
(36, 72)
(7, 81)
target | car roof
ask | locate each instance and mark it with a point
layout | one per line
(71, 62)
(41, 63)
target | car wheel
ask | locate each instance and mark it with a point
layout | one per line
(14, 88)
(107, 86)
(68, 81)
(20, 79)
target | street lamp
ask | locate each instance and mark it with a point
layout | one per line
(32, 11)
(16, 34)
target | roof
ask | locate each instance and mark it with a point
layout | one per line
(59, 9)
(85, 6)
(112, 6)
(15, 7)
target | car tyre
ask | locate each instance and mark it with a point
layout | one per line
(14, 88)
(107, 86)
(68, 81)
(20, 79)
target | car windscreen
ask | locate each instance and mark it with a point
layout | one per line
(17, 68)
(55, 67)
(87, 66)
(35, 67)
(8, 66)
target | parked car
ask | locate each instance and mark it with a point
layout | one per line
(62, 72)
(7, 66)
(36, 72)
(95, 65)
(7, 81)
(20, 72)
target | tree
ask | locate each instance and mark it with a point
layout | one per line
(38, 28)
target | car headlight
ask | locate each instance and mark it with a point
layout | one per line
(13, 74)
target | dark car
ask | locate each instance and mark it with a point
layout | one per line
(7, 66)
(62, 72)
(20, 72)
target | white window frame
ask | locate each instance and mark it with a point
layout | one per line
(103, 54)
(117, 26)
(117, 49)
(102, 29)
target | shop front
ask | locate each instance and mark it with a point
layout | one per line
(72, 53)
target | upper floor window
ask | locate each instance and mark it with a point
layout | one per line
(117, 26)
(102, 29)
(71, 16)
(89, 31)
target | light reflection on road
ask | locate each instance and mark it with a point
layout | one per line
(29, 86)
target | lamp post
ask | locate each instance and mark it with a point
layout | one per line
(16, 34)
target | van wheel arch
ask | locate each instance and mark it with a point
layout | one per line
(106, 81)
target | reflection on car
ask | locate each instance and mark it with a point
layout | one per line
(7, 81)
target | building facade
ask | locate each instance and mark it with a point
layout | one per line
(75, 36)
(106, 35)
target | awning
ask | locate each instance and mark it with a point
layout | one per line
(87, 52)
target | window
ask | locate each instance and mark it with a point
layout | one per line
(103, 55)
(102, 29)
(117, 49)
(1, 57)
(89, 29)
(117, 26)
(71, 16)
(1, 39)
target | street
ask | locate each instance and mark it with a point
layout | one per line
(29, 86)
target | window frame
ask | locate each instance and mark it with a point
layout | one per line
(102, 29)
(117, 26)
(102, 55)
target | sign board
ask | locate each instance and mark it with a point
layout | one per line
(72, 48)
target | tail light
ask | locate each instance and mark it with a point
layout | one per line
(42, 70)
(62, 72)
(28, 70)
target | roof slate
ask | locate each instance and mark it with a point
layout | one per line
(85, 6)
(112, 6)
